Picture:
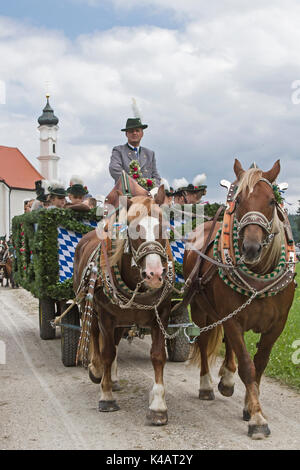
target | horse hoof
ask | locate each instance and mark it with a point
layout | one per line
(108, 405)
(116, 387)
(93, 378)
(225, 390)
(256, 431)
(206, 395)
(157, 418)
(246, 415)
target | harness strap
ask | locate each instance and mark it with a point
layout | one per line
(192, 280)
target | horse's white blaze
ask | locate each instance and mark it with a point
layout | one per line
(206, 382)
(153, 261)
(157, 400)
(227, 377)
(149, 223)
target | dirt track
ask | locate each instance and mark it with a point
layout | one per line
(44, 405)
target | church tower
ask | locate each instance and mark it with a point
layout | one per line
(48, 143)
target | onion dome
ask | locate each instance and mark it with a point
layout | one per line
(48, 118)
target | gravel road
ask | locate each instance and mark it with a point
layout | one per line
(44, 405)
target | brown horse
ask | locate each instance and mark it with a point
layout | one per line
(6, 267)
(250, 277)
(144, 263)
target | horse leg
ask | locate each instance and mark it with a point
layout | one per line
(114, 368)
(108, 355)
(261, 358)
(258, 425)
(227, 371)
(95, 366)
(204, 347)
(206, 387)
(157, 413)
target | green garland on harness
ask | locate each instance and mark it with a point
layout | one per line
(263, 277)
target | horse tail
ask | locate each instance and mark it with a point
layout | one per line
(212, 349)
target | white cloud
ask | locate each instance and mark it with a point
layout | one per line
(218, 87)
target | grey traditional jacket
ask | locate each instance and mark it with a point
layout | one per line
(122, 156)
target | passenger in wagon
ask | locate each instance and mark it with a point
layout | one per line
(191, 193)
(57, 196)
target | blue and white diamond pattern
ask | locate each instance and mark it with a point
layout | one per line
(177, 247)
(67, 242)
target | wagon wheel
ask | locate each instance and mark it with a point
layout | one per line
(70, 336)
(46, 314)
(179, 347)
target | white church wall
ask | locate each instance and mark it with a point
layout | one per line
(4, 210)
(17, 199)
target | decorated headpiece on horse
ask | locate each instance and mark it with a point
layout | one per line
(253, 235)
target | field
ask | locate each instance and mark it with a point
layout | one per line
(284, 363)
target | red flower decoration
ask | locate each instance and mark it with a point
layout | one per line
(136, 176)
(24, 268)
(22, 233)
(135, 169)
(149, 183)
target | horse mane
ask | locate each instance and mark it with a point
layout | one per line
(248, 181)
(271, 253)
(141, 205)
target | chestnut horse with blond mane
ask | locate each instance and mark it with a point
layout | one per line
(245, 281)
(133, 287)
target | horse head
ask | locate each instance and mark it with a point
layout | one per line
(146, 237)
(255, 209)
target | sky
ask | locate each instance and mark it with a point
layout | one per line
(214, 81)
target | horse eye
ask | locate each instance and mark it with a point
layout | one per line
(272, 202)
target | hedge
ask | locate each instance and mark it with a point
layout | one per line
(36, 266)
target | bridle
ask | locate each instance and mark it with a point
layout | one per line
(255, 217)
(147, 248)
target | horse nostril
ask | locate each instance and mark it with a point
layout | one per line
(151, 274)
(144, 274)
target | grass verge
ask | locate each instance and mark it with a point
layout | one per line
(284, 363)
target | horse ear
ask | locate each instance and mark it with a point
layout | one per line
(238, 169)
(159, 198)
(272, 174)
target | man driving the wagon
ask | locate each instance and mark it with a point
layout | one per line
(122, 155)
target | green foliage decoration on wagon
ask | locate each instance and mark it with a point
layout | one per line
(36, 266)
